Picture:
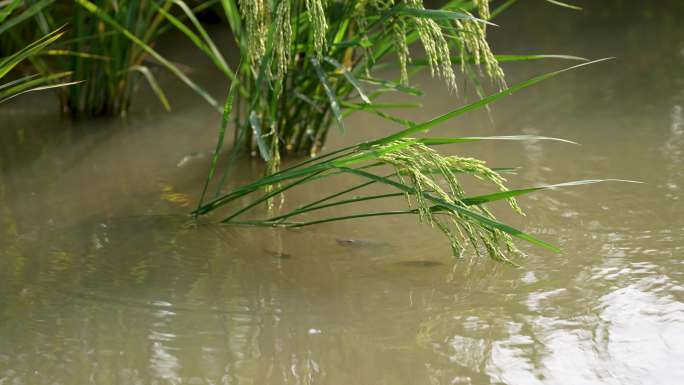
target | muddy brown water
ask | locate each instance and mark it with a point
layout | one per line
(103, 281)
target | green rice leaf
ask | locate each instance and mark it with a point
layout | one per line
(8, 8)
(350, 78)
(232, 13)
(481, 199)
(420, 62)
(564, 5)
(393, 86)
(215, 53)
(380, 106)
(227, 110)
(25, 15)
(6, 64)
(334, 104)
(152, 81)
(20, 80)
(465, 139)
(271, 194)
(509, 58)
(41, 88)
(258, 136)
(375, 110)
(83, 55)
(437, 14)
(307, 100)
(422, 127)
(30, 81)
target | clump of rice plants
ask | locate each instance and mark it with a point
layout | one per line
(108, 44)
(307, 64)
(332, 48)
(429, 180)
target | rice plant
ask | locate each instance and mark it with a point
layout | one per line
(109, 44)
(299, 78)
(430, 181)
(308, 64)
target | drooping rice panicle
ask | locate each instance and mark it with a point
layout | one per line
(483, 9)
(403, 54)
(473, 39)
(282, 40)
(411, 162)
(436, 47)
(319, 25)
(256, 14)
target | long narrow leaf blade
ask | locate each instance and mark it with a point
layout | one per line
(466, 139)
(41, 89)
(25, 15)
(350, 78)
(83, 55)
(152, 81)
(510, 58)
(502, 59)
(334, 104)
(564, 5)
(28, 82)
(481, 199)
(8, 8)
(258, 136)
(22, 80)
(393, 86)
(6, 64)
(479, 104)
(437, 14)
(227, 110)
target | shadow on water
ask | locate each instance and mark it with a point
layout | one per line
(104, 280)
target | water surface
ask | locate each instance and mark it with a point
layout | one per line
(103, 280)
